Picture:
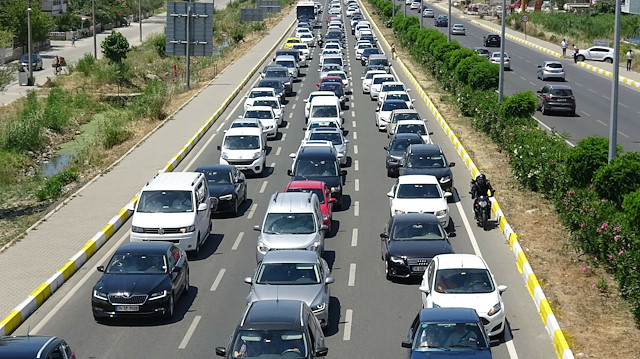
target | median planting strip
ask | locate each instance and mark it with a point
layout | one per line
(35, 299)
(544, 309)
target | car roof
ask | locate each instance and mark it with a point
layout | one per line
(150, 247)
(416, 218)
(316, 152)
(406, 135)
(326, 129)
(168, 181)
(322, 93)
(306, 184)
(417, 179)
(274, 67)
(424, 149)
(325, 100)
(448, 315)
(551, 62)
(264, 98)
(291, 256)
(242, 119)
(261, 89)
(556, 86)
(456, 261)
(393, 100)
(273, 314)
(393, 83)
(260, 108)
(410, 122)
(290, 202)
(25, 346)
(285, 58)
(244, 131)
(219, 168)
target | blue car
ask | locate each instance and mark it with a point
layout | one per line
(447, 333)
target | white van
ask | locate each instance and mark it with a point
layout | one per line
(244, 148)
(362, 25)
(326, 108)
(173, 207)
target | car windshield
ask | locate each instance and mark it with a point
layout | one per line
(320, 168)
(331, 86)
(449, 336)
(369, 52)
(288, 273)
(241, 142)
(251, 344)
(333, 60)
(414, 191)
(369, 75)
(324, 111)
(271, 103)
(394, 105)
(289, 223)
(411, 231)
(426, 161)
(406, 116)
(364, 46)
(561, 92)
(286, 63)
(401, 144)
(381, 62)
(273, 84)
(398, 96)
(394, 87)
(464, 280)
(317, 191)
(133, 263)
(339, 74)
(244, 124)
(217, 177)
(276, 73)
(419, 129)
(24, 57)
(330, 67)
(255, 94)
(334, 137)
(379, 80)
(165, 202)
(320, 124)
(554, 65)
(259, 114)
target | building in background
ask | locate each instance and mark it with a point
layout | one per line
(54, 7)
(630, 6)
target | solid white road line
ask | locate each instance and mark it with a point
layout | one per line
(264, 186)
(356, 165)
(355, 135)
(237, 242)
(252, 210)
(216, 282)
(278, 151)
(355, 149)
(72, 292)
(190, 331)
(356, 208)
(352, 275)
(347, 325)
(356, 185)
(550, 130)
(354, 237)
(467, 226)
(220, 127)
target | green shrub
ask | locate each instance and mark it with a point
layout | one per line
(58, 111)
(22, 134)
(631, 208)
(53, 186)
(484, 76)
(619, 177)
(11, 163)
(112, 128)
(160, 45)
(586, 158)
(151, 103)
(520, 104)
(115, 47)
(86, 65)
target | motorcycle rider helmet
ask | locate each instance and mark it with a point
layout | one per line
(481, 179)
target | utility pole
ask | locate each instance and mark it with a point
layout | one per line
(449, 24)
(140, 18)
(502, 43)
(29, 50)
(93, 19)
(613, 120)
(188, 47)
(393, 8)
(420, 12)
(404, 5)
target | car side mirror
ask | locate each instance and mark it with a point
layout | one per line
(221, 351)
(219, 148)
(384, 236)
(538, 91)
(202, 207)
(257, 228)
(100, 268)
(424, 289)
(346, 141)
(362, 78)
(176, 269)
(305, 100)
(324, 227)
(343, 173)
(502, 288)
(448, 194)
(408, 90)
(386, 148)
(321, 351)
(131, 206)
(413, 100)
(292, 155)
(406, 345)
(318, 70)
(539, 66)
(390, 194)
(333, 200)
(452, 164)
(430, 133)
(289, 172)
(248, 280)
(329, 280)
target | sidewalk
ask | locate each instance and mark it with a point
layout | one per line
(631, 78)
(44, 251)
(150, 26)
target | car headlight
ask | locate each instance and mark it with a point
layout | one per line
(441, 212)
(262, 247)
(158, 295)
(255, 155)
(224, 155)
(99, 295)
(398, 260)
(188, 229)
(335, 189)
(399, 211)
(135, 229)
(395, 158)
(325, 217)
(318, 308)
(226, 197)
(314, 246)
(287, 83)
(445, 179)
(496, 308)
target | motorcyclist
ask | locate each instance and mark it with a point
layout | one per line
(319, 39)
(480, 187)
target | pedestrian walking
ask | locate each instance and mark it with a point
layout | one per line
(73, 41)
(563, 44)
(393, 50)
(629, 58)
(575, 53)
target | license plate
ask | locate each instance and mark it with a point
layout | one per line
(419, 268)
(127, 308)
(561, 100)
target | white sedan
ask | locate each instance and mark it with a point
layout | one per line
(384, 112)
(419, 194)
(495, 58)
(458, 29)
(464, 280)
(360, 49)
(368, 77)
(398, 95)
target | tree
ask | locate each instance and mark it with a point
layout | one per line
(13, 18)
(115, 47)
(67, 21)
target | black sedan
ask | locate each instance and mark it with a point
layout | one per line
(410, 241)
(428, 160)
(227, 184)
(441, 21)
(396, 148)
(337, 89)
(141, 279)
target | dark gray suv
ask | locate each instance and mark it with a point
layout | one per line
(278, 329)
(556, 98)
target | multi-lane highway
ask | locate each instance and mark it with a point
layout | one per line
(592, 91)
(369, 315)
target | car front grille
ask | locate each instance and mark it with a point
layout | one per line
(419, 261)
(240, 162)
(134, 299)
(162, 230)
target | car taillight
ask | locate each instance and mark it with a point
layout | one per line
(573, 98)
(547, 97)
(562, 70)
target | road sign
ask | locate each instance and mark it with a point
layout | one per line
(198, 30)
(525, 18)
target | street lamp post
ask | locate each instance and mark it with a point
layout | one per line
(29, 50)
(613, 119)
(404, 6)
(449, 24)
(93, 19)
(420, 13)
(502, 43)
(140, 18)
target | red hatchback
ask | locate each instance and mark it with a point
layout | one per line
(324, 196)
(325, 79)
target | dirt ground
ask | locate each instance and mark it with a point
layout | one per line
(596, 322)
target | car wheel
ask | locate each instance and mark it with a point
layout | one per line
(389, 172)
(580, 58)
(196, 252)
(235, 207)
(544, 111)
(386, 270)
(170, 307)
(608, 60)
(186, 284)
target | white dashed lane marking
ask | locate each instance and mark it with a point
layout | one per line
(252, 210)
(353, 113)
(356, 208)
(293, 107)
(355, 149)
(355, 135)
(347, 325)
(356, 165)
(290, 114)
(354, 237)
(216, 282)
(356, 185)
(190, 331)
(353, 124)
(264, 186)
(278, 151)
(237, 242)
(284, 135)
(352, 275)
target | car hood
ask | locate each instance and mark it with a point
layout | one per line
(241, 154)
(266, 122)
(289, 241)
(306, 293)
(481, 302)
(437, 172)
(221, 189)
(164, 220)
(457, 353)
(419, 249)
(396, 153)
(419, 205)
(133, 283)
(331, 181)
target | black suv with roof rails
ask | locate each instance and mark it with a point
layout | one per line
(428, 160)
(29, 347)
(276, 329)
(320, 164)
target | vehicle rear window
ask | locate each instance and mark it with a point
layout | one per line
(561, 92)
(412, 129)
(555, 66)
(317, 191)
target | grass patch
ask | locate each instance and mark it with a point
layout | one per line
(53, 186)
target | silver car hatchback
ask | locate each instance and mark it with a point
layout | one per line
(551, 70)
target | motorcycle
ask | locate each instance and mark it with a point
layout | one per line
(482, 211)
(319, 40)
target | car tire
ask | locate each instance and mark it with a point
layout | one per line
(386, 270)
(186, 284)
(544, 112)
(389, 173)
(608, 60)
(580, 58)
(196, 252)
(235, 207)
(170, 308)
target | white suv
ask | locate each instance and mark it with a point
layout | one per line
(245, 148)
(173, 207)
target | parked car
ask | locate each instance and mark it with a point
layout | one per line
(141, 279)
(32, 346)
(464, 280)
(556, 98)
(458, 29)
(227, 184)
(410, 241)
(396, 149)
(491, 40)
(597, 53)
(551, 70)
(36, 61)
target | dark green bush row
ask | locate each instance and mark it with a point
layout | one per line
(598, 201)
(53, 186)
